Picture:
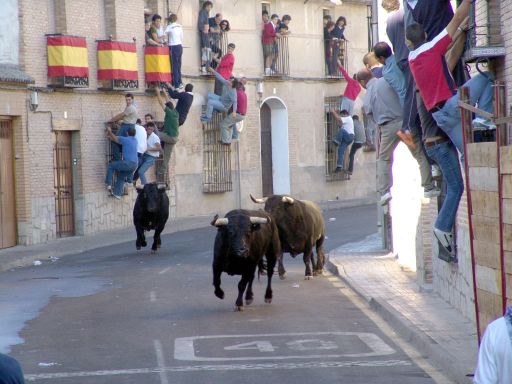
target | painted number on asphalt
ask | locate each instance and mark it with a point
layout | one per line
(281, 346)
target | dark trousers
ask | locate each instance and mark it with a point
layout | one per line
(353, 150)
(176, 51)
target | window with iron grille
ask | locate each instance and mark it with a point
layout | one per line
(331, 149)
(216, 158)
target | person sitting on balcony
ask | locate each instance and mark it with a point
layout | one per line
(351, 92)
(215, 36)
(155, 31)
(372, 64)
(149, 157)
(268, 39)
(344, 137)
(223, 102)
(283, 27)
(381, 104)
(228, 130)
(170, 133)
(174, 32)
(224, 68)
(203, 28)
(184, 103)
(128, 119)
(437, 86)
(359, 140)
(125, 167)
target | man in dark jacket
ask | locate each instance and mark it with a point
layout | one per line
(10, 370)
(184, 101)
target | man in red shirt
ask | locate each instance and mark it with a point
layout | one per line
(351, 91)
(225, 68)
(435, 82)
(268, 38)
(228, 125)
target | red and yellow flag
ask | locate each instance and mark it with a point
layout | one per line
(117, 60)
(67, 56)
(158, 64)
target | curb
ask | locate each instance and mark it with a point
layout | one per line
(408, 331)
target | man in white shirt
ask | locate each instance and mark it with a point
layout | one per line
(344, 136)
(495, 354)
(152, 153)
(174, 33)
(142, 144)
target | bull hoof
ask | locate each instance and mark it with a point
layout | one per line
(308, 277)
(268, 301)
(318, 273)
(219, 293)
(154, 251)
(239, 308)
(283, 276)
(138, 247)
(144, 243)
(248, 301)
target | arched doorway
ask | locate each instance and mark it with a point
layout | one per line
(275, 163)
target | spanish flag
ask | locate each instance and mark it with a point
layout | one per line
(117, 60)
(67, 56)
(158, 64)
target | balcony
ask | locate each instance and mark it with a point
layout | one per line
(277, 58)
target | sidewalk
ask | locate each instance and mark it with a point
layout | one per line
(433, 327)
(21, 256)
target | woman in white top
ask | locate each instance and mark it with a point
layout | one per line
(174, 33)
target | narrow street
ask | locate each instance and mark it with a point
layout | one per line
(116, 315)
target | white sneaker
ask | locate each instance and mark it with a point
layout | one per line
(445, 239)
(430, 193)
(267, 71)
(436, 171)
(384, 199)
(204, 71)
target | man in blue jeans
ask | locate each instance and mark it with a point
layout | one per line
(440, 149)
(124, 167)
(344, 137)
(225, 101)
(435, 82)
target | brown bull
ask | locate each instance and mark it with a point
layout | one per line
(301, 226)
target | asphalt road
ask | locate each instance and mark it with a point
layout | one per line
(116, 315)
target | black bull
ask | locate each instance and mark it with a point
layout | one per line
(301, 226)
(243, 238)
(150, 212)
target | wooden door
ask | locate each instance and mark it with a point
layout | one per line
(63, 183)
(266, 150)
(7, 195)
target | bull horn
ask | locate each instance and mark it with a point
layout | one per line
(258, 201)
(221, 222)
(258, 220)
(139, 186)
(288, 199)
(161, 185)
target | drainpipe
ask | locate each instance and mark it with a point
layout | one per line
(375, 21)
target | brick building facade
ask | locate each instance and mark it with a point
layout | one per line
(30, 211)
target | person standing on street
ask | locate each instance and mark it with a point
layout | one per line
(494, 364)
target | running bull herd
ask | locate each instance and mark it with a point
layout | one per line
(247, 240)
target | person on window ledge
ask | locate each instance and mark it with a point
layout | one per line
(228, 131)
(184, 103)
(214, 34)
(225, 101)
(351, 91)
(225, 68)
(381, 104)
(125, 167)
(128, 119)
(436, 84)
(344, 137)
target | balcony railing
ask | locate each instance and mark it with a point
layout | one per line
(334, 50)
(280, 64)
(218, 47)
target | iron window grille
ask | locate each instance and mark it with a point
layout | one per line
(331, 150)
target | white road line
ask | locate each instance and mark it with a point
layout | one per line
(160, 360)
(164, 270)
(152, 296)
(222, 367)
